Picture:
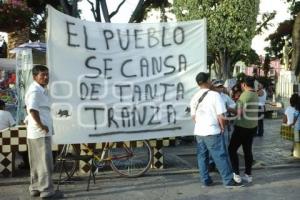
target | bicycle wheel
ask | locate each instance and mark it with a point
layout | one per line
(132, 159)
(66, 161)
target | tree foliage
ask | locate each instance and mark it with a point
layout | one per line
(283, 31)
(147, 6)
(98, 8)
(264, 23)
(38, 22)
(277, 39)
(231, 25)
(266, 65)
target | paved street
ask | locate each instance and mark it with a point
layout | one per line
(276, 176)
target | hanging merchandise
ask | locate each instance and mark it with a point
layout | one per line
(24, 79)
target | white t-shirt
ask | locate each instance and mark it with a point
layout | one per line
(206, 112)
(6, 119)
(289, 112)
(262, 99)
(228, 101)
(229, 83)
(36, 98)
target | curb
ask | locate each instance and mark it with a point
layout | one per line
(192, 171)
(160, 172)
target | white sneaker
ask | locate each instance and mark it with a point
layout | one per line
(237, 178)
(248, 178)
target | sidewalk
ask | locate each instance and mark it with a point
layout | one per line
(276, 177)
(269, 151)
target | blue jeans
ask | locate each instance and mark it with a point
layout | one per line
(226, 140)
(213, 145)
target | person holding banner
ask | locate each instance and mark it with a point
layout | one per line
(207, 111)
(39, 132)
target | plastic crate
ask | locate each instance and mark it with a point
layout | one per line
(287, 132)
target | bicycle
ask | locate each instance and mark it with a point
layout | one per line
(129, 159)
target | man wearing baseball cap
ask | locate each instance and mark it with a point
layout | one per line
(207, 111)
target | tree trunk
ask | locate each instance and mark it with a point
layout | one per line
(105, 11)
(296, 45)
(216, 67)
(137, 11)
(163, 17)
(65, 7)
(225, 64)
(70, 9)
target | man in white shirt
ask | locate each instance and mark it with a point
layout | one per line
(262, 98)
(39, 132)
(6, 119)
(218, 86)
(207, 109)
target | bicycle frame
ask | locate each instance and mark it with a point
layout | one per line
(108, 146)
(124, 159)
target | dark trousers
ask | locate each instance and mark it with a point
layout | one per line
(241, 136)
(260, 125)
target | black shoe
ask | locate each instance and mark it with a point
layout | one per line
(35, 193)
(57, 195)
(23, 166)
(212, 167)
(208, 184)
(234, 184)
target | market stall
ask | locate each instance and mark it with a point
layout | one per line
(8, 84)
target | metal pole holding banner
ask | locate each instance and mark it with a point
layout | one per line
(23, 71)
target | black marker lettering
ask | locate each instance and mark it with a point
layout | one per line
(182, 62)
(178, 35)
(166, 85)
(108, 35)
(149, 93)
(171, 67)
(71, 34)
(136, 92)
(120, 36)
(87, 64)
(164, 44)
(95, 91)
(86, 40)
(94, 114)
(110, 118)
(137, 39)
(107, 68)
(84, 91)
(121, 87)
(152, 40)
(144, 65)
(156, 65)
(123, 71)
(140, 117)
(125, 117)
(171, 112)
(155, 114)
(180, 91)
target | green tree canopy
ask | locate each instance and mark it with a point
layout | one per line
(283, 31)
(231, 25)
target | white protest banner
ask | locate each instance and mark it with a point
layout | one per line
(120, 82)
